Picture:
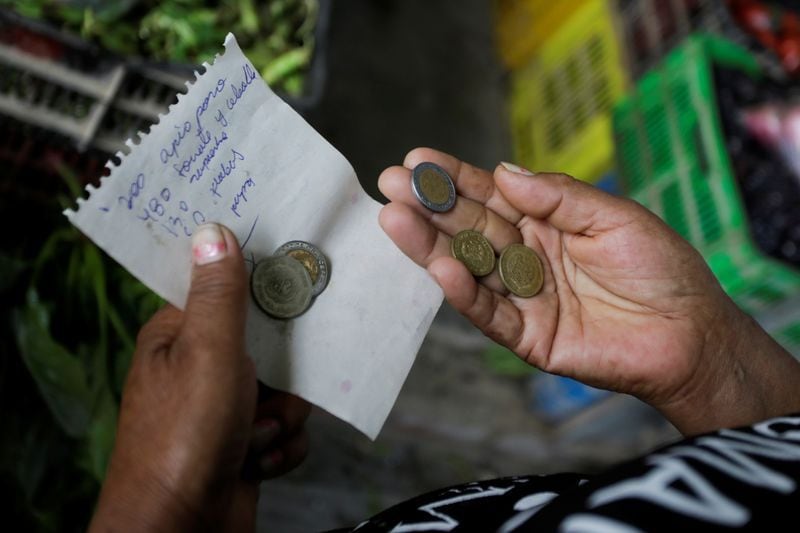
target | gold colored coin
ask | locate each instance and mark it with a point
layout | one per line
(308, 260)
(434, 186)
(471, 248)
(521, 270)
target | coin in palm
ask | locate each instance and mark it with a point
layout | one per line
(521, 270)
(471, 248)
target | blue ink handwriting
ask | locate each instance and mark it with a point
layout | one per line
(133, 192)
(221, 118)
(158, 211)
(238, 92)
(225, 171)
(241, 196)
(205, 140)
(203, 107)
(176, 142)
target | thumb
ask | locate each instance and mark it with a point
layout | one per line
(570, 205)
(217, 304)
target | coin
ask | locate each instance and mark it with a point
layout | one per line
(312, 259)
(521, 270)
(433, 187)
(281, 286)
(471, 248)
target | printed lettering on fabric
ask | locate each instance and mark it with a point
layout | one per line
(745, 478)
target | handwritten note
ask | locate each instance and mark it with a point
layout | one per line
(230, 151)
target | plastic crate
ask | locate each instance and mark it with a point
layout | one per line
(62, 85)
(649, 29)
(673, 159)
(523, 25)
(561, 100)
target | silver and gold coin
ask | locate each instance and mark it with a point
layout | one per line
(521, 270)
(312, 259)
(433, 187)
(281, 286)
(473, 249)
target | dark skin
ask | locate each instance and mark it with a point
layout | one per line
(626, 305)
(195, 437)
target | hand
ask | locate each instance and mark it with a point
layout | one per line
(627, 305)
(187, 417)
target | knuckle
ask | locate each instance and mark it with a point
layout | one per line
(563, 179)
(215, 284)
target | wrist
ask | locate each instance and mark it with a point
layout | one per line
(136, 500)
(743, 376)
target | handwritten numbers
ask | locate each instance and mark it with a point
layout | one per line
(157, 207)
(133, 192)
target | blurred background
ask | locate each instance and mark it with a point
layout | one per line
(687, 106)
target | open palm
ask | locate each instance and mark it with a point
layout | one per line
(626, 305)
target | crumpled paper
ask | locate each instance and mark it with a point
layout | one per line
(230, 151)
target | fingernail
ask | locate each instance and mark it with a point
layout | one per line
(264, 432)
(511, 167)
(208, 244)
(270, 462)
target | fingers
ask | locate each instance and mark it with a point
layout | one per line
(424, 235)
(279, 441)
(160, 331)
(471, 182)
(216, 305)
(288, 410)
(491, 312)
(415, 237)
(289, 455)
(569, 205)
(395, 184)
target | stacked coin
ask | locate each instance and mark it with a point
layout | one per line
(285, 284)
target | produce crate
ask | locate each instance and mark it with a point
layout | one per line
(523, 25)
(61, 85)
(649, 29)
(561, 99)
(68, 89)
(673, 159)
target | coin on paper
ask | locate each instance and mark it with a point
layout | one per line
(433, 187)
(471, 248)
(521, 270)
(312, 259)
(281, 286)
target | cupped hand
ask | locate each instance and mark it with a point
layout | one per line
(195, 434)
(626, 305)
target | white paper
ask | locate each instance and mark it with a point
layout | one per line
(232, 152)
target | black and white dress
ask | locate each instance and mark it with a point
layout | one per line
(745, 478)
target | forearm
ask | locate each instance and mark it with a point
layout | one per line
(745, 377)
(134, 502)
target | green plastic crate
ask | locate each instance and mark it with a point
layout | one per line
(672, 159)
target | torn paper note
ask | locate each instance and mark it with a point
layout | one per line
(232, 152)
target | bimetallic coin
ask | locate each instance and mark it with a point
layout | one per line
(433, 187)
(312, 259)
(521, 270)
(471, 248)
(281, 286)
